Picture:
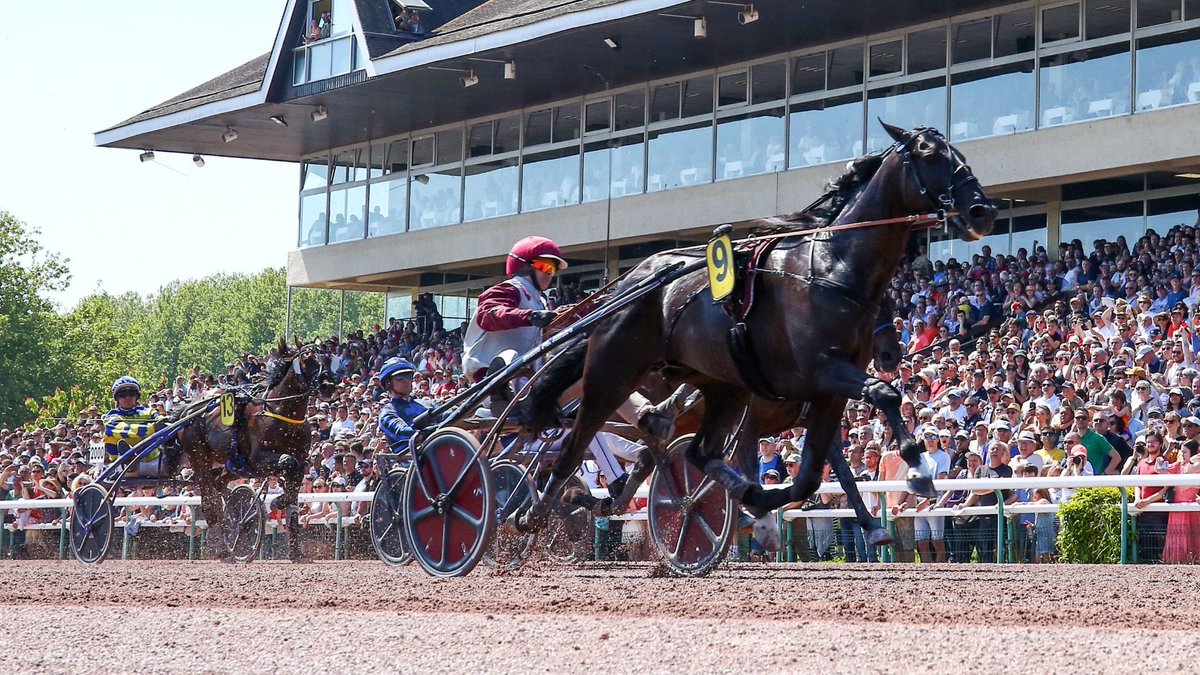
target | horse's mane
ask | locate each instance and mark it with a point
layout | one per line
(277, 368)
(837, 193)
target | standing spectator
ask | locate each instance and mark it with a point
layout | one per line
(1151, 526)
(798, 527)
(1183, 528)
(768, 458)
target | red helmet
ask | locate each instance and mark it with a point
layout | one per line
(525, 251)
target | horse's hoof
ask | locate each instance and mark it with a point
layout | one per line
(578, 497)
(879, 537)
(766, 533)
(920, 485)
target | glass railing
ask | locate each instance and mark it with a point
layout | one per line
(323, 59)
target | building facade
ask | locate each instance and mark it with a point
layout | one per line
(624, 127)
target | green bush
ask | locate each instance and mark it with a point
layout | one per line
(1091, 527)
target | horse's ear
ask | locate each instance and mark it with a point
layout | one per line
(899, 135)
(282, 346)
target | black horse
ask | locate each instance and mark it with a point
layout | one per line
(270, 431)
(808, 337)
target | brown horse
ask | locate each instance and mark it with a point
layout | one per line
(270, 432)
(807, 341)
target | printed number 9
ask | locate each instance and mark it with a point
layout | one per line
(721, 261)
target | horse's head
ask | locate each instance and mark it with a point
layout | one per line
(306, 371)
(941, 179)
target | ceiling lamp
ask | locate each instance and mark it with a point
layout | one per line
(230, 135)
(147, 156)
(469, 79)
(319, 114)
(198, 161)
(278, 119)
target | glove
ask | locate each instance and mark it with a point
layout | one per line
(541, 318)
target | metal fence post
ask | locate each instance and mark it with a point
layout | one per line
(1133, 544)
(1124, 526)
(337, 537)
(779, 555)
(887, 553)
(192, 540)
(62, 534)
(1000, 525)
(125, 541)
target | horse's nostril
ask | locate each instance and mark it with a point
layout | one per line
(977, 211)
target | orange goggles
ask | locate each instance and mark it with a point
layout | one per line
(545, 266)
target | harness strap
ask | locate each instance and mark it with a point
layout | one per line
(742, 352)
(281, 418)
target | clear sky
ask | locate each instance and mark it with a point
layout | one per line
(73, 68)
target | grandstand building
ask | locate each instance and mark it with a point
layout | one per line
(425, 146)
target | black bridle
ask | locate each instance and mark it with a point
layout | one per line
(960, 176)
(313, 383)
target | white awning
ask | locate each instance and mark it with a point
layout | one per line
(413, 4)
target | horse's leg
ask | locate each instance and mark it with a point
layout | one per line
(212, 507)
(877, 535)
(292, 471)
(840, 377)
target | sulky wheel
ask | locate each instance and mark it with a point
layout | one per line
(244, 519)
(514, 489)
(92, 518)
(387, 518)
(569, 534)
(691, 518)
(448, 504)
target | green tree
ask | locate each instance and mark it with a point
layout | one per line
(28, 323)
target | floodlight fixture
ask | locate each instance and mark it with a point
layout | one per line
(198, 161)
(147, 156)
(700, 27)
(278, 119)
(319, 114)
(230, 135)
(510, 70)
(612, 44)
(469, 79)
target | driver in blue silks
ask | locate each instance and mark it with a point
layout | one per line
(396, 418)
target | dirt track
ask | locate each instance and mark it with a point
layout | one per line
(364, 617)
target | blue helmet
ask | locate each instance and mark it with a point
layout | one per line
(396, 366)
(126, 382)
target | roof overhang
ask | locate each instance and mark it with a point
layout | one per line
(557, 58)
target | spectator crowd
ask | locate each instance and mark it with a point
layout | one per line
(1019, 365)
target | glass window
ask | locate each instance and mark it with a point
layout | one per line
(566, 122)
(886, 58)
(508, 134)
(1168, 70)
(1105, 17)
(435, 199)
(361, 160)
(347, 208)
(1014, 33)
(679, 156)
(906, 106)
(342, 56)
(845, 67)
(1102, 222)
(1102, 187)
(630, 110)
(312, 220)
(733, 89)
(388, 207)
(664, 103)
(490, 189)
(1084, 84)
(613, 168)
(750, 144)
(1191, 9)
(1060, 23)
(550, 179)
(316, 174)
(1028, 232)
(768, 82)
(926, 50)
(342, 23)
(826, 130)
(972, 40)
(1155, 12)
(808, 73)
(397, 157)
(449, 146)
(698, 96)
(422, 151)
(300, 66)
(1163, 214)
(343, 166)
(377, 158)
(992, 101)
(320, 57)
(479, 139)
(539, 127)
(598, 116)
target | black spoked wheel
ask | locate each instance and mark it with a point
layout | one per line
(449, 504)
(244, 519)
(570, 532)
(92, 519)
(387, 520)
(691, 518)
(514, 489)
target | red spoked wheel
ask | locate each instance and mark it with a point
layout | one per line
(691, 517)
(449, 503)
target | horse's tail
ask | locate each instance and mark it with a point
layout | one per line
(566, 370)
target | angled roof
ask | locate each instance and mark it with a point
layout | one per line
(245, 79)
